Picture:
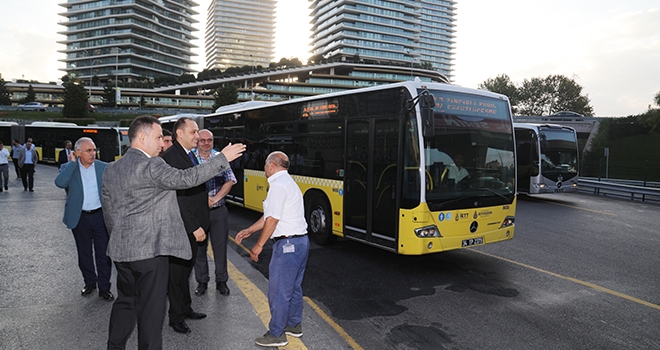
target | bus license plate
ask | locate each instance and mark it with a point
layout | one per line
(559, 190)
(473, 241)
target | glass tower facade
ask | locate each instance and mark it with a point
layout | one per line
(399, 32)
(240, 33)
(133, 39)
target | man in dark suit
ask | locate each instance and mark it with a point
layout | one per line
(142, 217)
(194, 209)
(28, 158)
(83, 215)
(63, 157)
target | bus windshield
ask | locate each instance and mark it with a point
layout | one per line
(558, 154)
(471, 156)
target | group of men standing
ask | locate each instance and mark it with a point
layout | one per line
(153, 259)
(25, 157)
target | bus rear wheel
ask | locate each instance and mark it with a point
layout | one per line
(319, 222)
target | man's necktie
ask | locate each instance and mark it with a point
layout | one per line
(193, 158)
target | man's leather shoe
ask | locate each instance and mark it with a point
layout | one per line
(87, 289)
(106, 294)
(201, 288)
(195, 315)
(180, 327)
(222, 287)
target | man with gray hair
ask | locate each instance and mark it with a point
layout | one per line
(284, 223)
(82, 178)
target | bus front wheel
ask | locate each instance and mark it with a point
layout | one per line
(319, 222)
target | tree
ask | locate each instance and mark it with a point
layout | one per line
(656, 99)
(555, 93)
(225, 95)
(5, 96)
(651, 119)
(287, 63)
(316, 59)
(502, 84)
(31, 95)
(426, 65)
(74, 100)
(108, 96)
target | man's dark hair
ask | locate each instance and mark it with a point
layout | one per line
(166, 133)
(143, 123)
(180, 124)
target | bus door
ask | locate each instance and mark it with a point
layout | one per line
(525, 145)
(371, 174)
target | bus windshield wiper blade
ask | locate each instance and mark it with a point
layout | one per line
(495, 192)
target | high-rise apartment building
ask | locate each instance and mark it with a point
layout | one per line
(412, 32)
(128, 38)
(240, 33)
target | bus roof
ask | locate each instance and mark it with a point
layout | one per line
(538, 126)
(410, 85)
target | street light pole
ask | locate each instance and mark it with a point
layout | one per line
(411, 63)
(91, 74)
(252, 80)
(116, 75)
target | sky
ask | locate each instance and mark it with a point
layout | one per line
(609, 47)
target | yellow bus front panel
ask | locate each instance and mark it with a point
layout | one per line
(459, 228)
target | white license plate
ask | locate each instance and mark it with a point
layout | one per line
(559, 190)
(473, 241)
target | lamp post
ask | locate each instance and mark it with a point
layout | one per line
(91, 74)
(252, 80)
(117, 50)
(411, 63)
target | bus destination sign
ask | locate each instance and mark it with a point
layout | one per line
(320, 109)
(470, 105)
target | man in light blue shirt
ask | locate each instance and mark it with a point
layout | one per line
(27, 160)
(82, 177)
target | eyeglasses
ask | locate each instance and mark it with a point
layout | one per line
(205, 140)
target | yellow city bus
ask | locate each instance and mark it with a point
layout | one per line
(413, 168)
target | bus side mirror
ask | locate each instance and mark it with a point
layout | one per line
(427, 102)
(428, 123)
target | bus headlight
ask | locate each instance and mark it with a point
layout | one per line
(428, 231)
(508, 221)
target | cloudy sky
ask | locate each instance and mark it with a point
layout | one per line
(610, 47)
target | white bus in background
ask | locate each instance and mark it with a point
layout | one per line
(548, 158)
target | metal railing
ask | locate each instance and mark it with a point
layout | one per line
(621, 189)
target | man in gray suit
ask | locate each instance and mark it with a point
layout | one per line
(142, 216)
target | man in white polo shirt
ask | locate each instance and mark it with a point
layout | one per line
(283, 222)
(27, 160)
(4, 167)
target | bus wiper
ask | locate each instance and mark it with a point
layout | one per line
(435, 206)
(495, 192)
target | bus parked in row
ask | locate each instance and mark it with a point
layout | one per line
(49, 138)
(413, 168)
(548, 159)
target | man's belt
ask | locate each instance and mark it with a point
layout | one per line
(275, 239)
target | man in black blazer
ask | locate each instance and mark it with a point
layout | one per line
(193, 205)
(63, 158)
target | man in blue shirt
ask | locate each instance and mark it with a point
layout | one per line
(82, 177)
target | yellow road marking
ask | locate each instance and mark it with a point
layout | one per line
(333, 324)
(575, 280)
(260, 303)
